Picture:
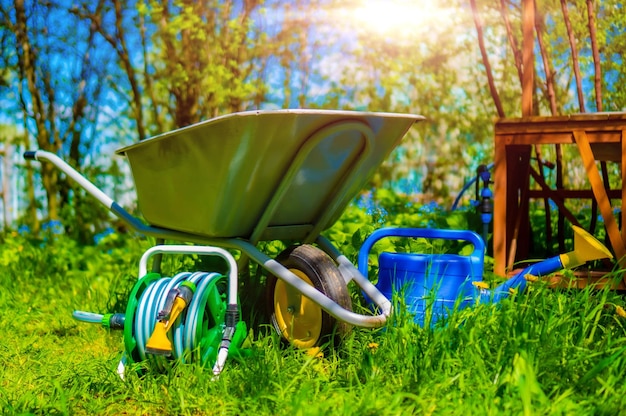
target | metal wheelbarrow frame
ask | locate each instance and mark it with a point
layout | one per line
(306, 165)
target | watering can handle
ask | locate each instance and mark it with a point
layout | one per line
(431, 233)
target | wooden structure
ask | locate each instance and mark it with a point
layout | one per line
(597, 136)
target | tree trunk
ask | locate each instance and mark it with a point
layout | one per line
(572, 44)
(596, 54)
(481, 43)
(517, 54)
(32, 220)
(547, 66)
(528, 57)
(27, 63)
(50, 179)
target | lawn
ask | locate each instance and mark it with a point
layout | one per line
(546, 351)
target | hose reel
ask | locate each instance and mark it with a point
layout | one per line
(190, 317)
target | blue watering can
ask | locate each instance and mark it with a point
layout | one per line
(443, 280)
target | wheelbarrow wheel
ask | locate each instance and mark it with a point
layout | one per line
(299, 320)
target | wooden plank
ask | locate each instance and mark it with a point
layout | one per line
(600, 194)
(610, 116)
(518, 229)
(602, 138)
(582, 280)
(571, 193)
(500, 208)
(590, 123)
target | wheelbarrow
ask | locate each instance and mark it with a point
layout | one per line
(230, 183)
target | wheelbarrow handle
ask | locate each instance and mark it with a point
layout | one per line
(30, 155)
(93, 190)
(477, 255)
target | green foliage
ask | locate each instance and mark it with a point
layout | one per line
(384, 207)
(202, 61)
(182, 62)
(435, 71)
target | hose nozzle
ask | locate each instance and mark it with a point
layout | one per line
(177, 300)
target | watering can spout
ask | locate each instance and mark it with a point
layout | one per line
(586, 248)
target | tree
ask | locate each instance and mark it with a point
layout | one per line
(590, 51)
(144, 67)
(174, 64)
(611, 34)
(59, 78)
(423, 64)
(195, 60)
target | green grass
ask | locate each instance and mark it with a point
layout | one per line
(545, 352)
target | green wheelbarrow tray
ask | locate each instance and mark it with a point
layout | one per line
(261, 175)
(235, 180)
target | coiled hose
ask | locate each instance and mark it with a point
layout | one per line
(204, 316)
(205, 331)
(195, 337)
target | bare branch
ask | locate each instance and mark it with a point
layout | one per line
(483, 52)
(572, 43)
(596, 54)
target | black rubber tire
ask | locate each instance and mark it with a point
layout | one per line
(324, 275)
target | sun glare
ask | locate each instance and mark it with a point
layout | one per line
(397, 18)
